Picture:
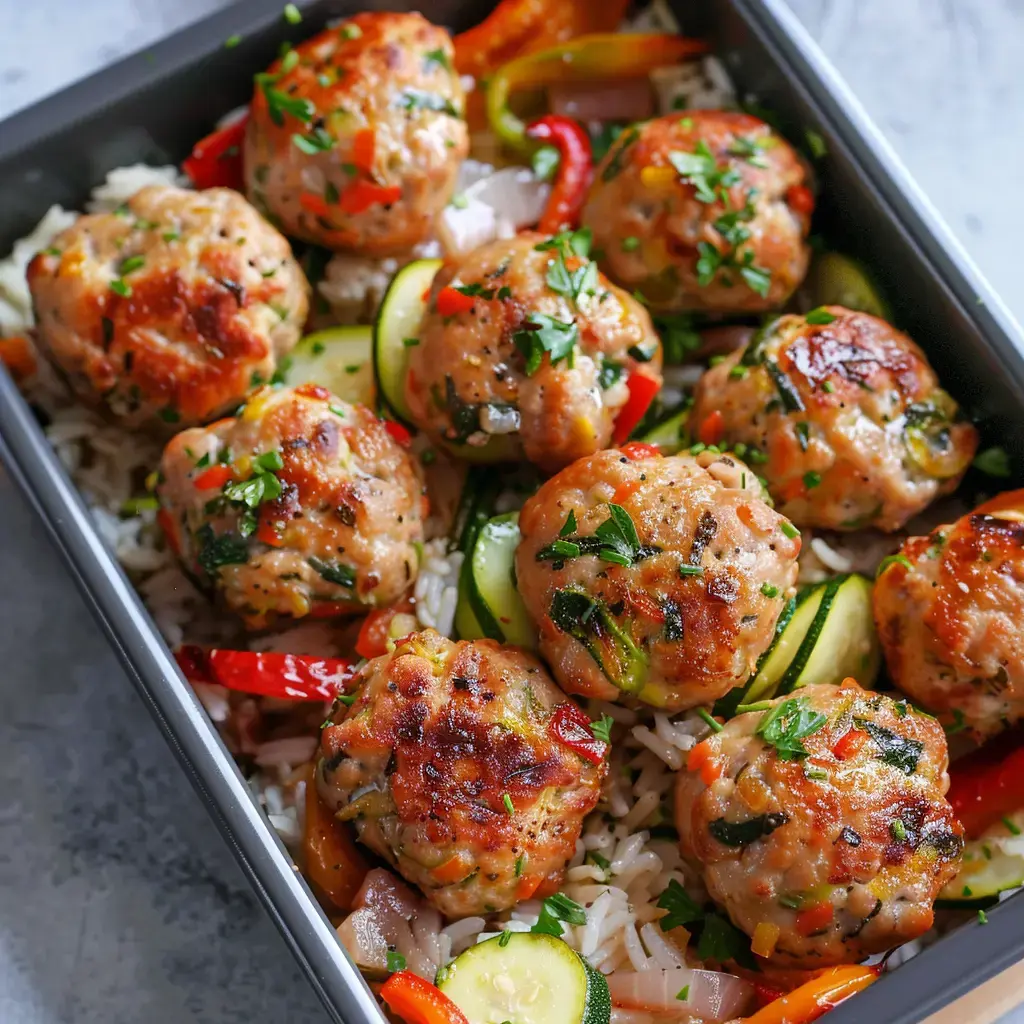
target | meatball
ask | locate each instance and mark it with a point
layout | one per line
(659, 579)
(950, 615)
(822, 820)
(526, 349)
(451, 766)
(170, 309)
(301, 504)
(355, 137)
(705, 210)
(843, 416)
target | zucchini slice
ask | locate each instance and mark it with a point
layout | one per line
(671, 434)
(532, 979)
(990, 865)
(493, 597)
(398, 319)
(339, 359)
(476, 506)
(842, 640)
(838, 280)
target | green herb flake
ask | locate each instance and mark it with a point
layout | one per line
(1012, 827)
(742, 833)
(602, 728)
(812, 479)
(294, 17)
(556, 909)
(630, 243)
(789, 529)
(815, 144)
(436, 59)
(351, 31)
(410, 342)
(895, 750)
(334, 572)
(819, 316)
(706, 715)
(993, 461)
(690, 570)
(891, 560)
(898, 830)
(828, 387)
(769, 590)
(232, 41)
(509, 806)
(982, 917)
(316, 141)
(542, 334)
(683, 994)
(520, 860)
(787, 725)
(680, 906)
(545, 162)
(122, 288)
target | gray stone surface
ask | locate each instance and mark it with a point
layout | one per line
(118, 902)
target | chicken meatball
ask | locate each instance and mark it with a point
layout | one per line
(950, 615)
(355, 137)
(461, 764)
(705, 210)
(843, 416)
(820, 823)
(655, 579)
(171, 308)
(301, 504)
(526, 349)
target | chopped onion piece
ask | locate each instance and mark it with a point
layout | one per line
(711, 995)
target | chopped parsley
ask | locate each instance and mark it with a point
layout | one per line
(682, 909)
(396, 962)
(630, 243)
(602, 728)
(294, 17)
(789, 529)
(130, 264)
(556, 909)
(815, 143)
(334, 572)
(787, 725)
(351, 32)
(419, 99)
(519, 865)
(691, 570)
(545, 162)
(541, 333)
(819, 316)
(679, 336)
(122, 288)
(509, 806)
(898, 830)
(280, 103)
(217, 550)
(436, 58)
(1012, 827)
(718, 939)
(261, 486)
(316, 141)
(812, 479)
(684, 993)
(743, 833)
(769, 590)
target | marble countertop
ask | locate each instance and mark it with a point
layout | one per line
(118, 901)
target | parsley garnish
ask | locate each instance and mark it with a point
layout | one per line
(556, 909)
(683, 993)
(216, 550)
(315, 141)
(743, 833)
(130, 264)
(682, 910)
(280, 103)
(334, 572)
(519, 865)
(509, 806)
(787, 725)
(436, 58)
(819, 316)
(122, 288)
(396, 962)
(569, 527)
(542, 333)
(260, 487)
(602, 728)
(418, 99)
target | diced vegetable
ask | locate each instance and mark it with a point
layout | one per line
(334, 863)
(599, 56)
(988, 784)
(670, 435)
(479, 496)
(526, 977)
(418, 1002)
(339, 359)
(267, 674)
(398, 320)
(838, 280)
(642, 391)
(991, 864)
(816, 997)
(572, 179)
(493, 597)
(17, 354)
(216, 160)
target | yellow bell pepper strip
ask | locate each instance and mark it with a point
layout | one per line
(600, 56)
(816, 997)
(516, 27)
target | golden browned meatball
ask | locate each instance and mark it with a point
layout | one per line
(172, 308)
(526, 350)
(355, 137)
(820, 823)
(301, 504)
(950, 614)
(842, 415)
(659, 579)
(452, 766)
(704, 210)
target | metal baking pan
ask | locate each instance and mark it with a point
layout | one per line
(152, 107)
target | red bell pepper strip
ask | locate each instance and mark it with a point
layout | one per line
(364, 147)
(216, 160)
(375, 631)
(213, 478)
(399, 434)
(711, 427)
(570, 726)
(816, 997)
(801, 198)
(418, 1002)
(267, 674)
(361, 195)
(849, 744)
(575, 170)
(451, 301)
(638, 450)
(642, 390)
(814, 918)
(988, 784)
(18, 355)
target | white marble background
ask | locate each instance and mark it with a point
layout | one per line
(118, 902)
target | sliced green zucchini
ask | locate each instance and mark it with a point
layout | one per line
(476, 506)
(842, 640)
(398, 322)
(787, 643)
(493, 596)
(990, 865)
(670, 434)
(339, 359)
(838, 280)
(528, 978)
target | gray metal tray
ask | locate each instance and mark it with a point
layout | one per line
(153, 107)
